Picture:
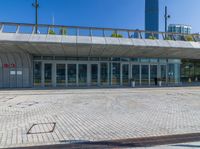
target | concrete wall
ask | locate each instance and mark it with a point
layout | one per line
(15, 70)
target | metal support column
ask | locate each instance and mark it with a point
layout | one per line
(54, 75)
(42, 73)
(66, 76)
(77, 75)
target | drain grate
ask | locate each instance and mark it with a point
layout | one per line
(40, 128)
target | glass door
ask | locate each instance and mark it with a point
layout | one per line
(136, 73)
(104, 73)
(37, 73)
(60, 74)
(48, 75)
(154, 75)
(116, 73)
(145, 74)
(94, 74)
(125, 74)
(71, 73)
(82, 74)
(163, 69)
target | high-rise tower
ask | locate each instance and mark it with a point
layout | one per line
(152, 15)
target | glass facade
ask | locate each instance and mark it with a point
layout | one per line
(151, 16)
(190, 71)
(68, 72)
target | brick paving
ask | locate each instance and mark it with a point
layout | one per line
(83, 115)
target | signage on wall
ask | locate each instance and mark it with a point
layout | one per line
(9, 65)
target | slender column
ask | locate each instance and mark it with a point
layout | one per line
(99, 74)
(77, 73)
(130, 71)
(140, 74)
(111, 74)
(167, 69)
(88, 74)
(159, 71)
(121, 74)
(108, 74)
(66, 75)
(149, 74)
(54, 74)
(42, 79)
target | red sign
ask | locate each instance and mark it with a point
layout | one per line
(9, 65)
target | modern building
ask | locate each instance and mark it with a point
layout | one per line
(151, 15)
(180, 28)
(83, 56)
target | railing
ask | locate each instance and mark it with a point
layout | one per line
(23, 28)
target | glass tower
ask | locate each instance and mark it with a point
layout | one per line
(151, 15)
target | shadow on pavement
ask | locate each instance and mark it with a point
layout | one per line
(124, 143)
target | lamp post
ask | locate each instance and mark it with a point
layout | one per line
(166, 18)
(36, 5)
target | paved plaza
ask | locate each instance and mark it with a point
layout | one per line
(48, 117)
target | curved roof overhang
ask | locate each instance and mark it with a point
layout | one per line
(86, 46)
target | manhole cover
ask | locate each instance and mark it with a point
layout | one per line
(42, 128)
(26, 104)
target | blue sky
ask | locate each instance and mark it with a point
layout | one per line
(99, 13)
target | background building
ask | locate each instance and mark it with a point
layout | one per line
(180, 28)
(151, 15)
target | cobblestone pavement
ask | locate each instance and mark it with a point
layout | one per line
(42, 117)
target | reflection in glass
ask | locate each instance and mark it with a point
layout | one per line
(60, 74)
(82, 74)
(136, 73)
(116, 73)
(71, 69)
(94, 74)
(145, 74)
(104, 73)
(48, 74)
(37, 73)
(125, 74)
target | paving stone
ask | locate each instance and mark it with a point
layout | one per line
(83, 115)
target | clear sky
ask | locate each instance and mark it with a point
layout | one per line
(99, 13)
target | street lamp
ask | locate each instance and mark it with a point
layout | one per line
(166, 18)
(36, 5)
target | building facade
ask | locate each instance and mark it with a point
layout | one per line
(152, 15)
(89, 57)
(180, 28)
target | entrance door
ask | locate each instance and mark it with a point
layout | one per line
(94, 74)
(153, 74)
(71, 74)
(116, 73)
(163, 69)
(104, 73)
(60, 74)
(145, 74)
(125, 74)
(82, 74)
(136, 73)
(48, 75)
